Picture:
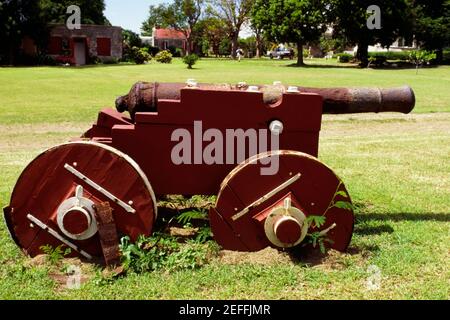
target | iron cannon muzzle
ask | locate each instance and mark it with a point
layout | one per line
(365, 100)
(144, 96)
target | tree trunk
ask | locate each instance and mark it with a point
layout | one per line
(11, 59)
(439, 56)
(234, 43)
(258, 45)
(363, 54)
(300, 54)
(188, 45)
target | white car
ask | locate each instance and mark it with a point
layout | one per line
(281, 53)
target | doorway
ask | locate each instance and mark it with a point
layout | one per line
(80, 51)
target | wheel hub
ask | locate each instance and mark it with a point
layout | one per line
(286, 225)
(76, 217)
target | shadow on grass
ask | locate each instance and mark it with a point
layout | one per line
(400, 65)
(407, 216)
(87, 66)
(310, 257)
(322, 66)
(366, 230)
(366, 224)
(391, 66)
(92, 66)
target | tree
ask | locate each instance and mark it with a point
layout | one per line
(234, 13)
(131, 38)
(258, 39)
(55, 11)
(19, 18)
(350, 21)
(190, 60)
(298, 21)
(131, 41)
(421, 57)
(431, 19)
(212, 30)
(181, 15)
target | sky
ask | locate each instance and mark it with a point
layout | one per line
(129, 14)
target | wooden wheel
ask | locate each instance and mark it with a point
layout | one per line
(54, 200)
(254, 211)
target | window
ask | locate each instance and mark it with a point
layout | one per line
(55, 45)
(104, 47)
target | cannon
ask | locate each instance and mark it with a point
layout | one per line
(255, 147)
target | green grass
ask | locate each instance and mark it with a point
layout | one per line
(396, 167)
(55, 94)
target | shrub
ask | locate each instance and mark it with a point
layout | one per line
(40, 59)
(391, 55)
(111, 61)
(176, 52)
(45, 60)
(190, 60)
(164, 57)
(446, 57)
(421, 57)
(344, 57)
(94, 60)
(377, 60)
(153, 50)
(140, 55)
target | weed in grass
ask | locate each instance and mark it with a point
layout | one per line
(164, 252)
(55, 255)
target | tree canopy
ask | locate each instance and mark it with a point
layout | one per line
(55, 11)
(349, 20)
(19, 18)
(297, 21)
(431, 23)
(234, 13)
(212, 31)
(131, 38)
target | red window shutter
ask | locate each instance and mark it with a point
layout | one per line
(104, 47)
(55, 45)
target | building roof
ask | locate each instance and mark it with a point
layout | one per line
(86, 26)
(169, 34)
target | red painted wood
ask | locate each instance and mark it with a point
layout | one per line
(312, 194)
(288, 231)
(45, 184)
(148, 141)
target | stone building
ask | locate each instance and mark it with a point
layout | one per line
(78, 47)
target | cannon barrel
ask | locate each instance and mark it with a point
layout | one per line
(144, 97)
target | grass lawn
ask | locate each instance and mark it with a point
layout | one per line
(396, 167)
